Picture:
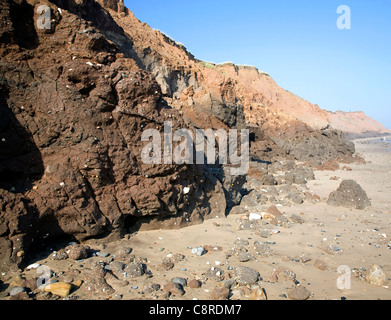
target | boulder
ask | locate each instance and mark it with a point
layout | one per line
(349, 194)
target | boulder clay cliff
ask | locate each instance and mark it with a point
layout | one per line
(74, 101)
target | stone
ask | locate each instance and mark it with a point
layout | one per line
(123, 251)
(245, 257)
(257, 294)
(272, 212)
(375, 276)
(174, 289)
(61, 289)
(297, 219)
(16, 290)
(246, 276)
(199, 251)
(220, 293)
(179, 280)
(241, 243)
(321, 265)
(195, 284)
(262, 248)
(59, 255)
(299, 293)
(135, 269)
(264, 233)
(167, 264)
(350, 195)
(215, 273)
(78, 252)
(254, 216)
(268, 180)
(300, 175)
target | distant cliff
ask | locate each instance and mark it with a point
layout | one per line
(356, 124)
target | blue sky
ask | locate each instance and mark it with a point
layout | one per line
(297, 42)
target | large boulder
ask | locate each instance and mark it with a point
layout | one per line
(349, 194)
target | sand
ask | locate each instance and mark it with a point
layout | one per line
(362, 238)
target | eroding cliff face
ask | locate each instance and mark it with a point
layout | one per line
(73, 108)
(77, 96)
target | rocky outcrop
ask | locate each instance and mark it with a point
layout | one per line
(239, 96)
(76, 96)
(73, 108)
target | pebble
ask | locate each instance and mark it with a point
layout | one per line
(254, 216)
(246, 276)
(103, 254)
(199, 251)
(257, 293)
(16, 290)
(174, 288)
(181, 281)
(33, 266)
(320, 265)
(375, 276)
(195, 284)
(219, 293)
(61, 289)
(299, 293)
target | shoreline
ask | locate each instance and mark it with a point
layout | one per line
(297, 254)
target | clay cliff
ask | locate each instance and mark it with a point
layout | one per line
(356, 124)
(75, 100)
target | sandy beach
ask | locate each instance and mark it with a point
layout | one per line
(306, 252)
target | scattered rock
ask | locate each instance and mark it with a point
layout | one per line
(241, 243)
(321, 265)
(135, 269)
(262, 248)
(195, 284)
(59, 255)
(210, 248)
(254, 216)
(174, 289)
(298, 293)
(16, 290)
(268, 180)
(179, 280)
(264, 233)
(375, 276)
(330, 165)
(245, 257)
(78, 252)
(297, 219)
(199, 251)
(219, 293)
(350, 195)
(167, 264)
(273, 212)
(300, 175)
(61, 289)
(246, 276)
(124, 251)
(215, 273)
(257, 293)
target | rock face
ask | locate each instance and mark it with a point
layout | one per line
(350, 195)
(72, 111)
(75, 98)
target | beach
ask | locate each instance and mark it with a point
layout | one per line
(326, 250)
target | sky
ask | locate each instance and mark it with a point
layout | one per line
(297, 42)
